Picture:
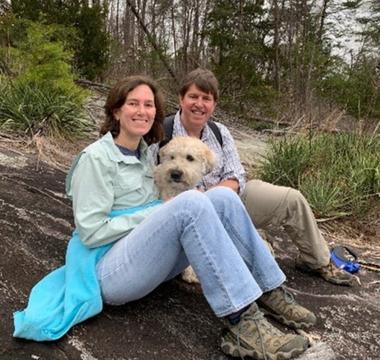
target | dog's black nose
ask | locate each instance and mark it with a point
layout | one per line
(176, 175)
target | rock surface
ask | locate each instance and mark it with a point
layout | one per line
(173, 322)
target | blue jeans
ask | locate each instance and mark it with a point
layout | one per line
(211, 231)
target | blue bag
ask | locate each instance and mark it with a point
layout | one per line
(345, 258)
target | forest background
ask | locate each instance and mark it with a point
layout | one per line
(304, 64)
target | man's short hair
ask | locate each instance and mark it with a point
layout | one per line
(203, 79)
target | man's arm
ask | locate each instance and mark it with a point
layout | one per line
(231, 183)
(233, 175)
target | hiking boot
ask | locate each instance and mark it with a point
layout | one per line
(281, 305)
(254, 336)
(329, 272)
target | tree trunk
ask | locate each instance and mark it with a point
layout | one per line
(276, 44)
(151, 40)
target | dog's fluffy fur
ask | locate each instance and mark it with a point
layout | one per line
(183, 163)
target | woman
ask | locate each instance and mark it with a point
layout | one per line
(153, 241)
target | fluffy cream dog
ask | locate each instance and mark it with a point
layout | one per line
(183, 162)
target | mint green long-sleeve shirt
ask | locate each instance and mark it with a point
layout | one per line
(102, 179)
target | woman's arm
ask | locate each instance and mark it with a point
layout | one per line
(92, 191)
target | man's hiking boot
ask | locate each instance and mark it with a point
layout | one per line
(281, 305)
(329, 272)
(254, 336)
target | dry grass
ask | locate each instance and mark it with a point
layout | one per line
(57, 153)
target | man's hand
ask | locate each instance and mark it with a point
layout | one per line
(230, 183)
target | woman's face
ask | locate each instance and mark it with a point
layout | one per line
(137, 114)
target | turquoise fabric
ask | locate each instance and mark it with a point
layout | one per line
(69, 294)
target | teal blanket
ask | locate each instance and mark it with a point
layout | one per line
(68, 295)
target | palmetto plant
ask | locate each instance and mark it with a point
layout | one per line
(41, 96)
(339, 174)
(29, 109)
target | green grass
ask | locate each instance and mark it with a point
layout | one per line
(339, 174)
(29, 109)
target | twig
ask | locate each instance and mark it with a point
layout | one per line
(332, 218)
(104, 88)
(376, 128)
(13, 150)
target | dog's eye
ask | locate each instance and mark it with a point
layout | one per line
(171, 157)
(189, 158)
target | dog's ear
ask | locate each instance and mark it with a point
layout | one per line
(209, 161)
(162, 143)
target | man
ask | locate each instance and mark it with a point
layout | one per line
(267, 204)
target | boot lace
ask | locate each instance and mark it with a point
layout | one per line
(288, 296)
(256, 318)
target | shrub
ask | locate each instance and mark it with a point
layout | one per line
(354, 88)
(41, 96)
(28, 109)
(338, 174)
(46, 62)
(84, 29)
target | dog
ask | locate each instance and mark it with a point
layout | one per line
(184, 161)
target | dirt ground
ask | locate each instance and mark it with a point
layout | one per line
(173, 322)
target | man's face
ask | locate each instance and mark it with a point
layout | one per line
(197, 107)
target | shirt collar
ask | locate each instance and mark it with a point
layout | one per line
(116, 154)
(179, 130)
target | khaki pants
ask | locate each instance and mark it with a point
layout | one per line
(269, 204)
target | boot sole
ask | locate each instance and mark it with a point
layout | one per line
(229, 347)
(283, 320)
(307, 270)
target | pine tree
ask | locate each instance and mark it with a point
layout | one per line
(91, 46)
